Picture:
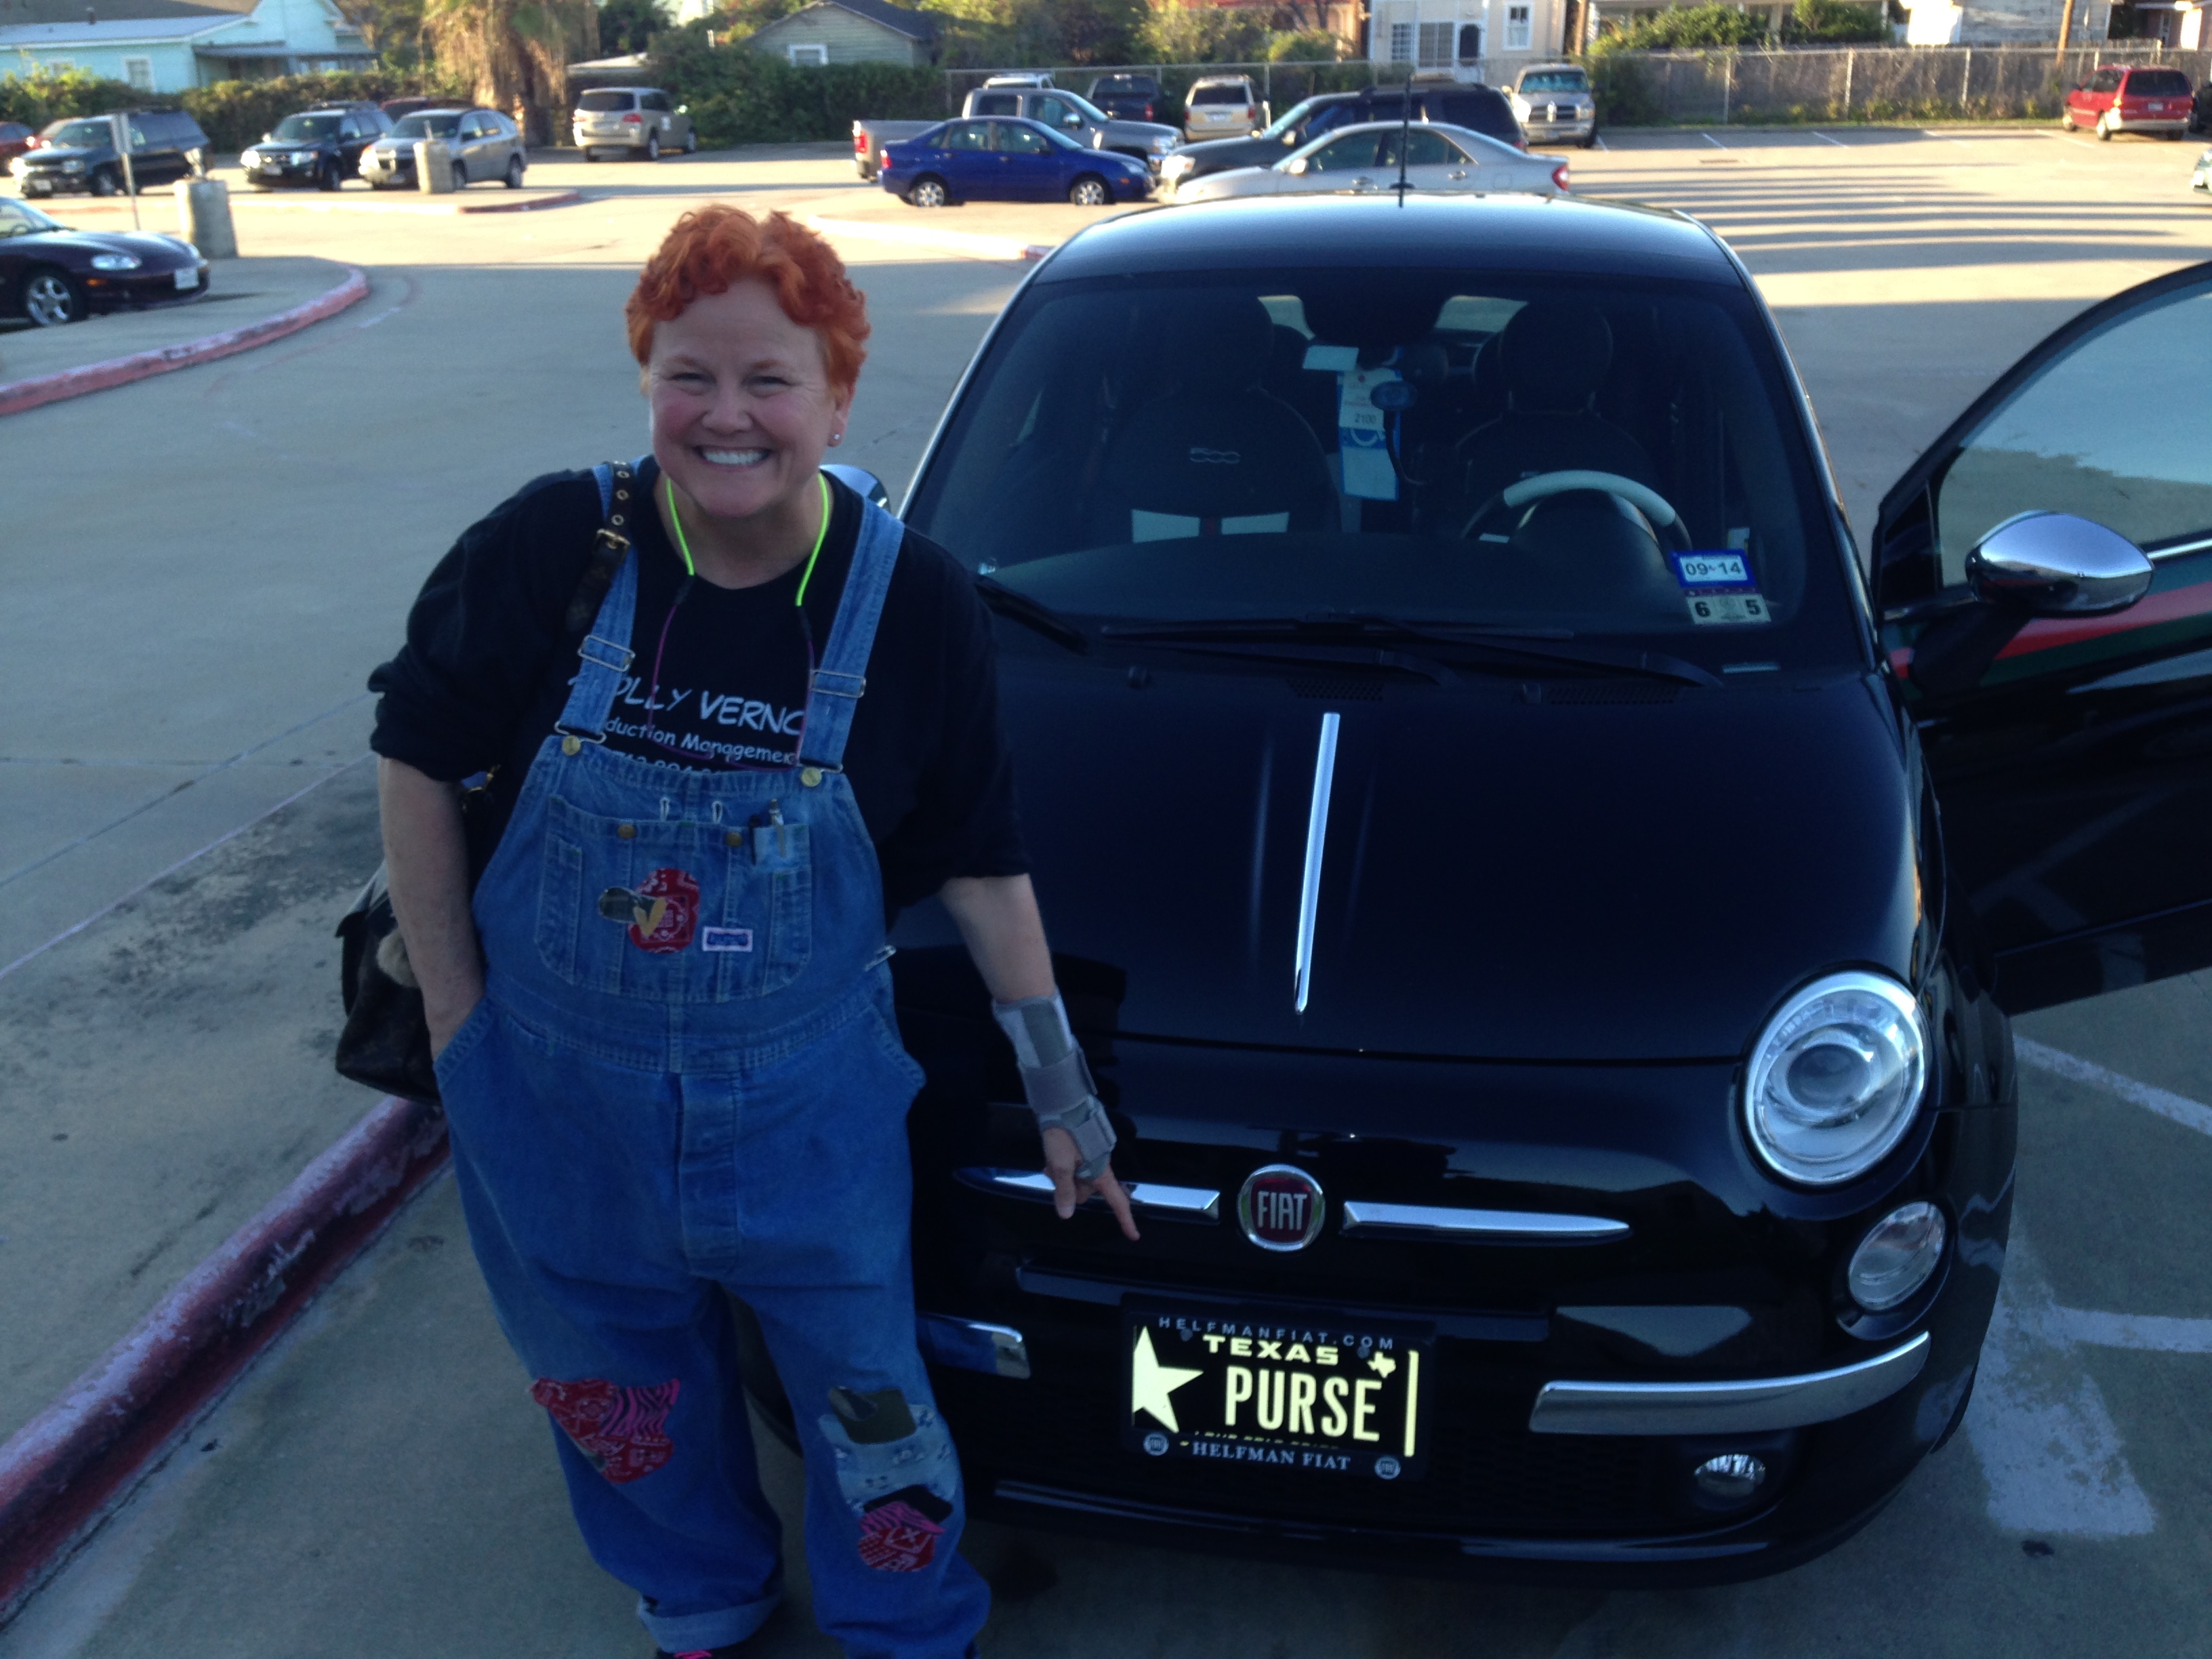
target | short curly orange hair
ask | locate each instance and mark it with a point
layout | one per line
(713, 248)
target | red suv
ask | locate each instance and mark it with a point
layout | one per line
(2119, 99)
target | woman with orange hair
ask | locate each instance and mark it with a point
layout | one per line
(721, 718)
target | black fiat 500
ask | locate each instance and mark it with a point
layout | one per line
(1543, 907)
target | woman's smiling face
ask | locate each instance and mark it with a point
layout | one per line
(743, 408)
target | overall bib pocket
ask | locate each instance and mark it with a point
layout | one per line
(674, 910)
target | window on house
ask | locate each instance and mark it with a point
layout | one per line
(139, 72)
(1516, 29)
(1401, 43)
(1470, 43)
(816, 55)
(1437, 41)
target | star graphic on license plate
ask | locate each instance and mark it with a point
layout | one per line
(1151, 1383)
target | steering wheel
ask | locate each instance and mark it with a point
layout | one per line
(1650, 502)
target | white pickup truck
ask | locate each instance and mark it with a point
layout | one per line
(1037, 97)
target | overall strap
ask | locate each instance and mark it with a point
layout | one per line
(842, 677)
(604, 655)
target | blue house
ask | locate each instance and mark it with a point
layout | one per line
(166, 45)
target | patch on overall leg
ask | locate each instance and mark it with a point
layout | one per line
(622, 1431)
(896, 1474)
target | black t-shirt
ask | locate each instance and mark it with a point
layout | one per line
(489, 661)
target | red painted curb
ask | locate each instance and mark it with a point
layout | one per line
(17, 396)
(62, 1471)
(562, 198)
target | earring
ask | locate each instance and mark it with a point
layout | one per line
(836, 437)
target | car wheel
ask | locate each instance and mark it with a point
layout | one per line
(105, 183)
(330, 178)
(927, 192)
(1588, 140)
(692, 141)
(460, 176)
(590, 155)
(1090, 190)
(653, 147)
(2066, 120)
(2104, 131)
(49, 298)
(515, 172)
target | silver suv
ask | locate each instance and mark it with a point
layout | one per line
(642, 120)
(1555, 104)
(482, 143)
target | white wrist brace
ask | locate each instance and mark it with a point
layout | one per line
(1056, 1078)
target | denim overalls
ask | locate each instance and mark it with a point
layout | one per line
(685, 1075)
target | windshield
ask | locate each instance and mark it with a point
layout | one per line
(86, 134)
(1292, 116)
(1416, 444)
(1058, 137)
(1083, 106)
(308, 128)
(1555, 80)
(17, 220)
(428, 126)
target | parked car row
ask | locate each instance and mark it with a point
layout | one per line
(51, 275)
(79, 153)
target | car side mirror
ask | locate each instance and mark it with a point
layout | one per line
(1298, 166)
(863, 483)
(2054, 564)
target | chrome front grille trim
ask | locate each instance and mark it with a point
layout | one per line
(1438, 1221)
(1151, 1198)
(1753, 1406)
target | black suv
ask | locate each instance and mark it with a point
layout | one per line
(165, 144)
(1128, 97)
(1478, 108)
(320, 147)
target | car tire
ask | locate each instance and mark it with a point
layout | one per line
(49, 298)
(2104, 131)
(1589, 141)
(515, 172)
(590, 155)
(2066, 120)
(105, 183)
(1090, 191)
(653, 147)
(330, 178)
(460, 176)
(929, 191)
(692, 141)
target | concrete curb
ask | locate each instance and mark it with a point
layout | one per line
(66, 1469)
(16, 395)
(308, 203)
(952, 242)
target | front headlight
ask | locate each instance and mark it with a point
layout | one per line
(115, 262)
(1835, 1078)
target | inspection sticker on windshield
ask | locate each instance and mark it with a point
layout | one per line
(1362, 435)
(1699, 571)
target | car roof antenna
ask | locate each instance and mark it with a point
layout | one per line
(1404, 133)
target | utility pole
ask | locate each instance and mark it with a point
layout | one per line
(2065, 29)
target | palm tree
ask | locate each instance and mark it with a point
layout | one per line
(516, 52)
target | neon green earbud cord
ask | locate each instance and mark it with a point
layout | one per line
(822, 531)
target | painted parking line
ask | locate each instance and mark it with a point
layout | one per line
(1714, 141)
(1837, 142)
(2038, 1422)
(2179, 1109)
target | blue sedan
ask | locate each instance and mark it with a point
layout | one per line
(1008, 161)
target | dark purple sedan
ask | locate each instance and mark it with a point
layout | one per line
(52, 275)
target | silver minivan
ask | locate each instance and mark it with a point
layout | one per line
(483, 142)
(643, 120)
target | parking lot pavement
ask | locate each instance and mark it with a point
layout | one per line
(200, 581)
(240, 291)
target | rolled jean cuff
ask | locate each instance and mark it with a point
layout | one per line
(706, 1630)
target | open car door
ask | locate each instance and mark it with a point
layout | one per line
(2044, 579)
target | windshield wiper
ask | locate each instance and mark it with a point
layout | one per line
(1505, 647)
(1034, 614)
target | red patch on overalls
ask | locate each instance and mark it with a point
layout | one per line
(620, 1430)
(673, 898)
(895, 1537)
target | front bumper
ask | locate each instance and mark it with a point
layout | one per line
(1542, 131)
(267, 178)
(42, 184)
(141, 291)
(398, 170)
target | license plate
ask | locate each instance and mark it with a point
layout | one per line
(1322, 1394)
(188, 279)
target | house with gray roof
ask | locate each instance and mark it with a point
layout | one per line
(851, 31)
(166, 45)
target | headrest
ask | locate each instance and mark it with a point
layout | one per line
(1555, 353)
(1216, 342)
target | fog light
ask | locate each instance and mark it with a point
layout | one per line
(1895, 1258)
(1730, 1478)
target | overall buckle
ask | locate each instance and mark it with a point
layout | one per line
(859, 683)
(614, 651)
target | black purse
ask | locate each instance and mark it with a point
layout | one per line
(386, 1040)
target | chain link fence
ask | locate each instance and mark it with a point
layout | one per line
(1281, 85)
(1864, 83)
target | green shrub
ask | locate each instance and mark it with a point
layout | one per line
(1685, 28)
(741, 96)
(235, 113)
(49, 94)
(1836, 22)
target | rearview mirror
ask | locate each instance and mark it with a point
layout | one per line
(2054, 564)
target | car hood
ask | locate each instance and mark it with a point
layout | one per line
(70, 152)
(1550, 880)
(1125, 128)
(106, 241)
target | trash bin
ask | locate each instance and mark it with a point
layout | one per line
(203, 218)
(433, 167)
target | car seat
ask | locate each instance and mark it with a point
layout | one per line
(1210, 452)
(1553, 356)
